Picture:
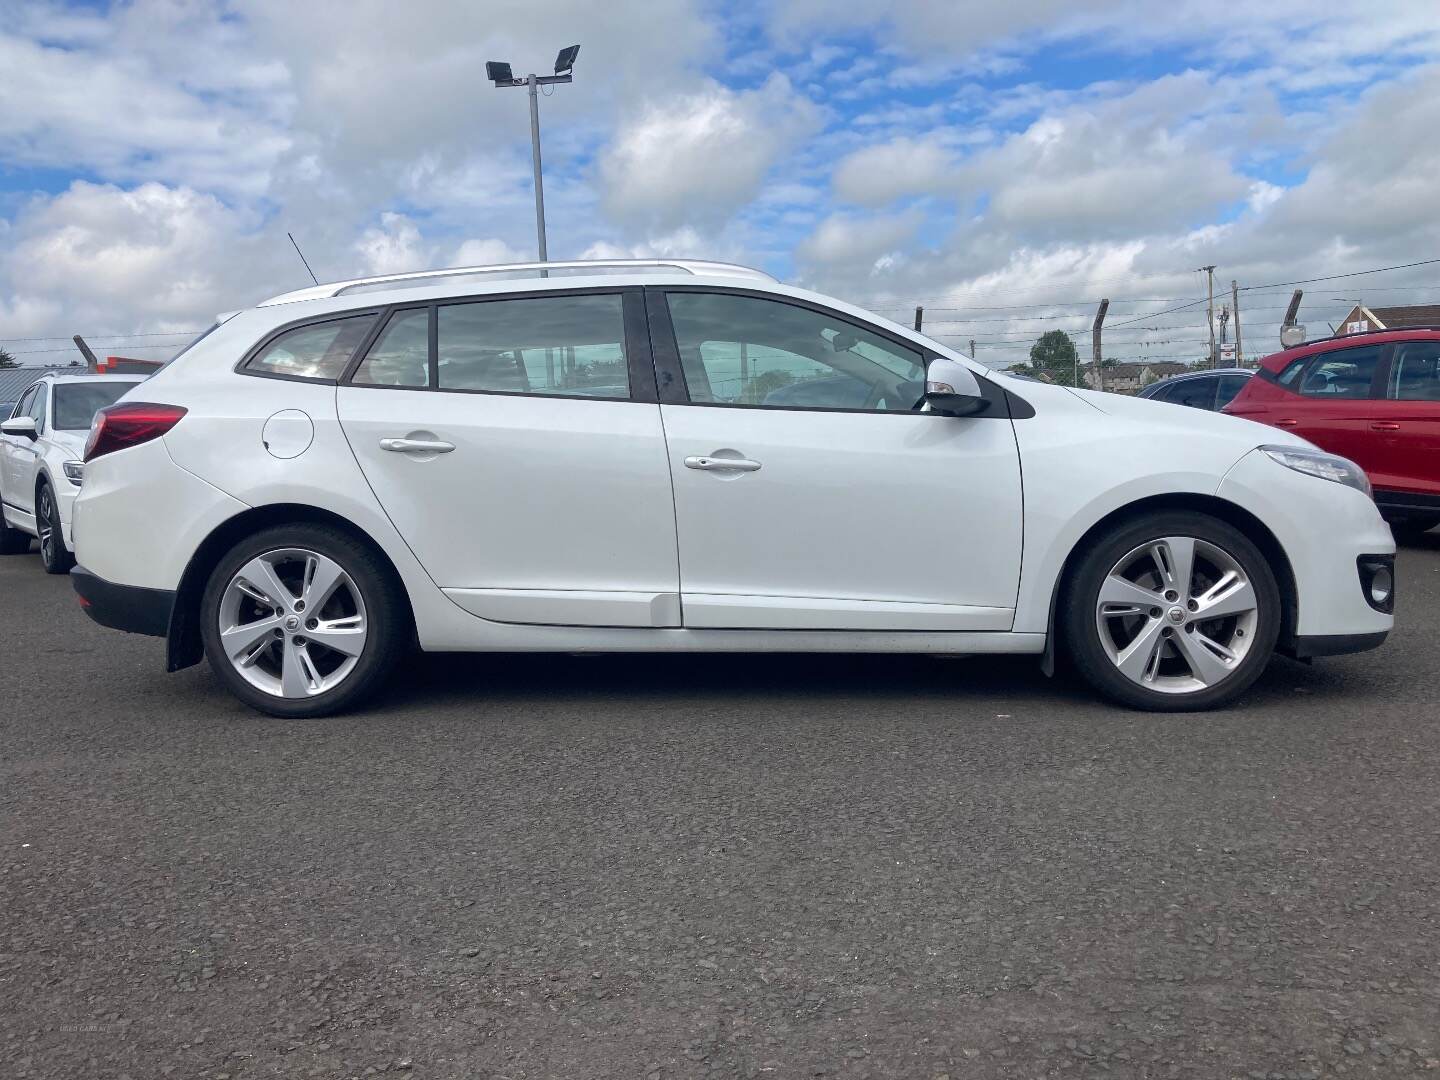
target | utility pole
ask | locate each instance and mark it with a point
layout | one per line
(1235, 307)
(1210, 308)
(1095, 344)
(500, 74)
(972, 348)
(919, 317)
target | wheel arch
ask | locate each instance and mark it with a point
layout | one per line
(183, 643)
(1231, 513)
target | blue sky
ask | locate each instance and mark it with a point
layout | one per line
(1005, 165)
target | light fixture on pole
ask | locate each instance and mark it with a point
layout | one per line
(500, 74)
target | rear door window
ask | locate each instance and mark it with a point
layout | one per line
(1196, 393)
(1230, 385)
(1415, 372)
(564, 346)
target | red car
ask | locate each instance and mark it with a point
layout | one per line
(1373, 398)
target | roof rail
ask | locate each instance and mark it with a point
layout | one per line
(1432, 327)
(574, 268)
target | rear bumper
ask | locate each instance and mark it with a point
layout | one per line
(130, 608)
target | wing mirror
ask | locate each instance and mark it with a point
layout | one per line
(20, 425)
(952, 389)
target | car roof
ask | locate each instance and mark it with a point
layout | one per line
(1277, 360)
(1207, 371)
(523, 277)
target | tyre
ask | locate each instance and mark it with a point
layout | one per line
(1171, 612)
(303, 620)
(53, 553)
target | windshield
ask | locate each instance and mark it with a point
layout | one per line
(77, 403)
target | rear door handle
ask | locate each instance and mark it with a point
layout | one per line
(722, 464)
(1384, 425)
(416, 446)
(1287, 423)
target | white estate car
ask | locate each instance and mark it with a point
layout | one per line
(667, 456)
(41, 443)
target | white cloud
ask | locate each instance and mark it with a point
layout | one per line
(878, 174)
(150, 258)
(697, 159)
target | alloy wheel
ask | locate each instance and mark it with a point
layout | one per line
(1177, 615)
(293, 623)
(44, 518)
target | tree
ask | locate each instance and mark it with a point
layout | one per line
(7, 360)
(1053, 356)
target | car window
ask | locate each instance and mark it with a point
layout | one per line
(565, 345)
(1415, 372)
(1344, 373)
(401, 354)
(316, 351)
(77, 403)
(1230, 385)
(1196, 393)
(39, 406)
(743, 350)
(22, 407)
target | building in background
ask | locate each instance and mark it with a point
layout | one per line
(1129, 378)
(1362, 319)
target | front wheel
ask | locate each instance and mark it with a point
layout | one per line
(1175, 611)
(53, 552)
(303, 620)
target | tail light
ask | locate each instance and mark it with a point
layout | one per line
(129, 423)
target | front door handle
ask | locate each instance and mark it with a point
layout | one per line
(722, 464)
(1287, 423)
(1384, 425)
(416, 446)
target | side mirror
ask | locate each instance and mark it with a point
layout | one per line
(20, 425)
(952, 389)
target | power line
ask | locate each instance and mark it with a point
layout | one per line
(110, 337)
(1336, 277)
(37, 352)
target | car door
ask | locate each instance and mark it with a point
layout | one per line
(25, 452)
(516, 443)
(11, 452)
(1334, 397)
(1404, 427)
(836, 513)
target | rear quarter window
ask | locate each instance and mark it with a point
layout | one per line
(317, 351)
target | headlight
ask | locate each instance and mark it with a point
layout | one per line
(74, 471)
(1325, 466)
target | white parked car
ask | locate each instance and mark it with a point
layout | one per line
(686, 456)
(41, 443)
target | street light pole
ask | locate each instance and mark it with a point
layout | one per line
(535, 158)
(499, 73)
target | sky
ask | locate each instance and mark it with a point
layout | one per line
(1005, 165)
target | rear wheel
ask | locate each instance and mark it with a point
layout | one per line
(53, 553)
(1173, 612)
(303, 620)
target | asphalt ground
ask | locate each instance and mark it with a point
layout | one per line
(557, 866)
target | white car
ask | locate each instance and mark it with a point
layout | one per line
(686, 456)
(41, 444)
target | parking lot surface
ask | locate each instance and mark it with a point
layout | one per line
(557, 866)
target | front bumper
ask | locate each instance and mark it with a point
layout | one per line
(131, 608)
(1307, 648)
